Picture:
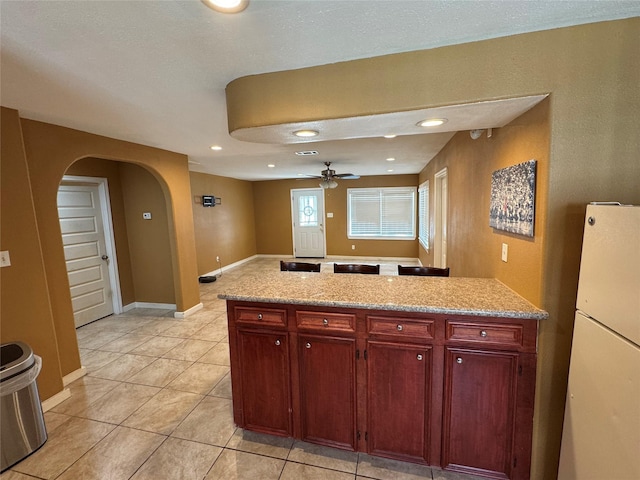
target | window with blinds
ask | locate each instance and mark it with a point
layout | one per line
(381, 213)
(423, 214)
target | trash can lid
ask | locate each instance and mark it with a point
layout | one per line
(15, 358)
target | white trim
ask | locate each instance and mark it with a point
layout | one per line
(73, 376)
(163, 306)
(189, 311)
(109, 238)
(233, 265)
(370, 259)
(56, 400)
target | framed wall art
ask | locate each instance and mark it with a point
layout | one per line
(513, 198)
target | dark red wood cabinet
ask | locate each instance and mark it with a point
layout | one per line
(327, 390)
(454, 392)
(398, 403)
(266, 392)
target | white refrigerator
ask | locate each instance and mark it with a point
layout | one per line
(601, 434)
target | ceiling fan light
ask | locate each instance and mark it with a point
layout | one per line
(432, 122)
(305, 133)
(227, 6)
(328, 183)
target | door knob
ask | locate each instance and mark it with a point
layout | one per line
(308, 345)
(105, 257)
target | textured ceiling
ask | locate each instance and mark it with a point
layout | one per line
(154, 72)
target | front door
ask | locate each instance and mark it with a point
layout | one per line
(85, 252)
(307, 212)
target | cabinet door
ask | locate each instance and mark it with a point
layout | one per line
(398, 380)
(479, 411)
(328, 390)
(266, 391)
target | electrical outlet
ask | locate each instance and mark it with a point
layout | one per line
(146, 215)
(217, 259)
(5, 260)
(505, 251)
(353, 247)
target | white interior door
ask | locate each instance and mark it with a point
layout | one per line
(86, 254)
(441, 196)
(307, 213)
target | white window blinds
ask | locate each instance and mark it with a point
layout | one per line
(423, 214)
(381, 213)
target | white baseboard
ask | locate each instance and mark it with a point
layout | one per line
(230, 266)
(189, 311)
(163, 306)
(57, 399)
(372, 259)
(73, 376)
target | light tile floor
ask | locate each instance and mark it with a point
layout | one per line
(156, 404)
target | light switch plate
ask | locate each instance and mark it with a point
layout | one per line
(505, 252)
(146, 215)
(5, 260)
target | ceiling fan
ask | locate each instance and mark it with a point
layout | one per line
(328, 177)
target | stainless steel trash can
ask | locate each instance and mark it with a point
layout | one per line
(22, 428)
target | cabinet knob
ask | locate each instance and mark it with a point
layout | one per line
(308, 345)
(259, 316)
(419, 357)
(483, 333)
(278, 342)
(325, 322)
(400, 328)
(459, 360)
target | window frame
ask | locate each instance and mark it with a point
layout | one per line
(423, 215)
(411, 193)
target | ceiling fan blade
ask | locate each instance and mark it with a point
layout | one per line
(347, 176)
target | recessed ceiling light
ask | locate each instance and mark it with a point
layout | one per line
(390, 136)
(217, 148)
(390, 170)
(305, 133)
(391, 159)
(271, 165)
(226, 6)
(432, 122)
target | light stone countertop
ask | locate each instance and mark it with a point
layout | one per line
(442, 295)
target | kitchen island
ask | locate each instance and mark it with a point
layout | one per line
(433, 370)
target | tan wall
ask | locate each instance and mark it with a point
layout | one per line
(49, 151)
(474, 248)
(592, 74)
(25, 305)
(273, 218)
(97, 167)
(227, 230)
(148, 239)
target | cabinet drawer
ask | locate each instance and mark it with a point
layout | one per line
(407, 329)
(329, 322)
(508, 335)
(261, 316)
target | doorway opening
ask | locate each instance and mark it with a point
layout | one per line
(440, 219)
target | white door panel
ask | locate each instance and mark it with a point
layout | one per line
(84, 243)
(307, 211)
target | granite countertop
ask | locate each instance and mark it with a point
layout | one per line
(443, 295)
